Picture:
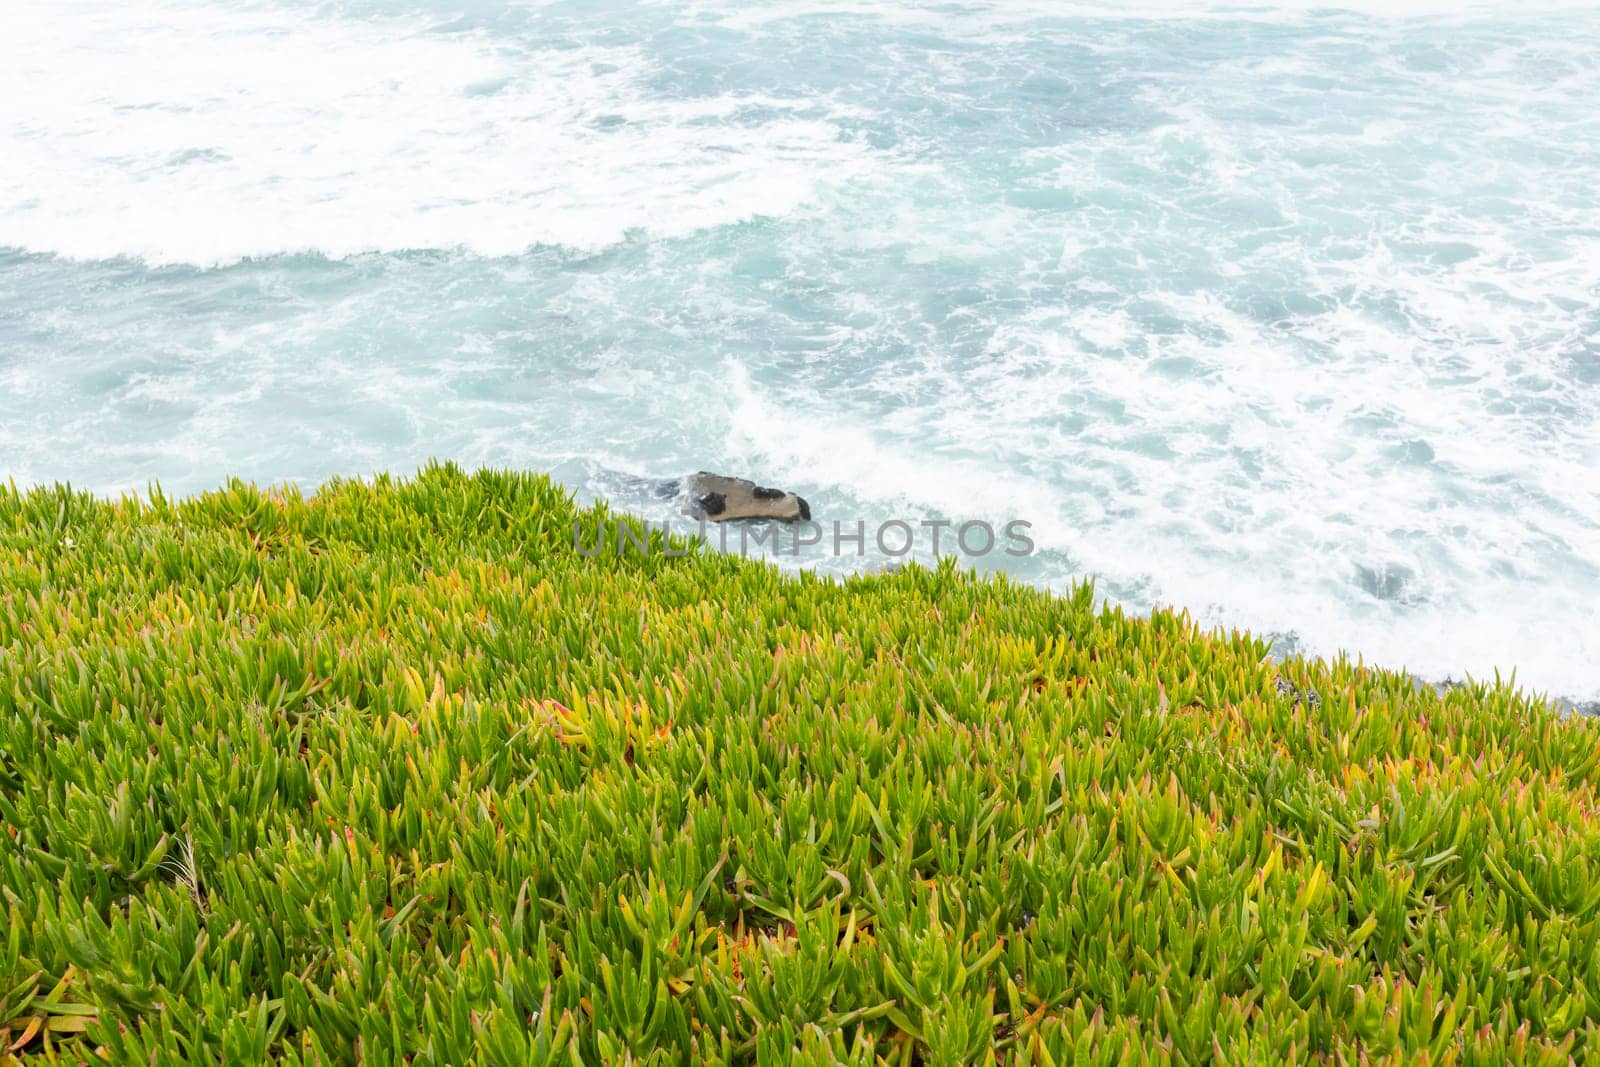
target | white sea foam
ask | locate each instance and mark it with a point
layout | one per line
(1403, 465)
(1285, 551)
(987, 14)
(206, 133)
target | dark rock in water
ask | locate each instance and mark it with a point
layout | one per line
(707, 496)
(723, 499)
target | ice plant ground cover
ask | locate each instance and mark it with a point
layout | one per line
(391, 772)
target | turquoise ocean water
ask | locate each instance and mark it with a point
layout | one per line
(1289, 313)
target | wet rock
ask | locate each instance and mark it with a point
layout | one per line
(719, 498)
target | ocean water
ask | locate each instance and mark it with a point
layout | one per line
(1285, 312)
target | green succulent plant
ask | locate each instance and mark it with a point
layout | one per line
(390, 773)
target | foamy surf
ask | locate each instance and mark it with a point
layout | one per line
(1288, 313)
(205, 134)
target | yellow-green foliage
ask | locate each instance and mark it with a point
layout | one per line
(392, 772)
